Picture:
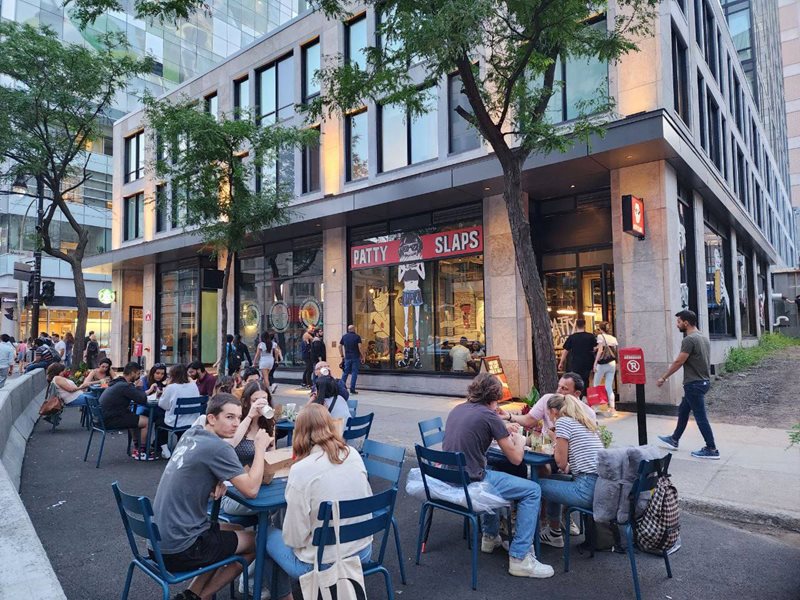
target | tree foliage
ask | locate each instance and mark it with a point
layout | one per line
(53, 99)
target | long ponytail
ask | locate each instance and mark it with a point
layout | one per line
(569, 406)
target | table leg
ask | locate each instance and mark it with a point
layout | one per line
(151, 413)
(261, 550)
(289, 437)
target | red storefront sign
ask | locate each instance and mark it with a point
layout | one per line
(456, 242)
(631, 365)
(633, 216)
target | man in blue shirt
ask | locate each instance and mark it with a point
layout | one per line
(352, 356)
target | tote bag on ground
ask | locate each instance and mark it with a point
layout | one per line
(343, 580)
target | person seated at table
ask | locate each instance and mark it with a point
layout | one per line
(471, 427)
(155, 381)
(43, 356)
(70, 393)
(577, 445)
(200, 464)
(255, 397)
(249, 375)
(326, 469)
(224, 385)
(180, 386)
(328, 395)
(102, 374)
(322, 368)
(205, 381)
(115, 404)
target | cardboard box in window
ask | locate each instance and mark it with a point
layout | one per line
(277, 463)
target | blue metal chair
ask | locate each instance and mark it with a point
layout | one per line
(97, 424)
(353, 406)
(357, 428)
(432, 431)
(137, 517)
(449, 467)
(380, 509)
(183, 406)
(386, 462)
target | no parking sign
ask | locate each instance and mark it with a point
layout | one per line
(632, 365)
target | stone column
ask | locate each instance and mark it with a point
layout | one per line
(334, 278)
(150, 337)
(119, 322)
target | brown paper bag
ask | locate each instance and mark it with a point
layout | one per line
(276, 461)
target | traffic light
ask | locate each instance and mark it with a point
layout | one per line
(9, 313)
(48, 292)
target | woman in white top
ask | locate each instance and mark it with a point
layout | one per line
(180, 386)
(265, 356)
(66, 389)
(605, 363)
(328, 396)
(577, 445)
(102, 374)
(326, 469)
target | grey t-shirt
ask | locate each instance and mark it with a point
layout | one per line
(697, 366)
(470, 429)
(201, 460)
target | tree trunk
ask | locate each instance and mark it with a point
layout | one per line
(545, 357)
(83, 311)
(224, 320)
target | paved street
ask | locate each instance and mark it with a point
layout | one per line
(72, 508)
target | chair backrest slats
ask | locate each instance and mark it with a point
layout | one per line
(352, 404)
(358, 427)
(95, 412)
(137, 517)
(450, 467)
(649, 472)
(383, 460)
(191, 406)
(432, 431)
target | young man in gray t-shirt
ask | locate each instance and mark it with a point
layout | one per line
(695, 358)
(196, 471)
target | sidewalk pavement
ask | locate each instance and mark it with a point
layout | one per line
(757, 480)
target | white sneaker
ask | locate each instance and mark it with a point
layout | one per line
(574, 528)
(490, 544)
(273, 388)
(165, 453)
(546, 536)
(265, 593)
(529, 567)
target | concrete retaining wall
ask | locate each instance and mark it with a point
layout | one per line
(32, 576)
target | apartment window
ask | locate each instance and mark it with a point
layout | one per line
(311, 167)
(391, 46)
(311, 64)
(741, 175)
(212, 105)
(462, 136)
(739, 26)
(241, 97)
(134, 157)
(701, 103)
(709, 42)
(356, 42)
(405, 140)
(162, 217)
(680, 85)
(275, 91)
(277, 173)
(356, 142)
(108, 146)
(134, 217)
(174, 204)
(714, 149)
(737, 103)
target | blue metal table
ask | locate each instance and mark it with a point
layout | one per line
(532, 459)
(270, 497)
(288, 427)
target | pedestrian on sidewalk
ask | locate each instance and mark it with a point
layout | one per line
(305, 354)
(7, 356)
(352, 356)
(694, 357)
(605, 362)
(578, 354)
(318, 351)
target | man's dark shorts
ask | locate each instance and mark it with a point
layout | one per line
(213, 545)
(126, 420)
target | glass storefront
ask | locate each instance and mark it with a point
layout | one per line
(718, 298)
(62, 320)
(178, 315)
(280, 289)
(416, 289)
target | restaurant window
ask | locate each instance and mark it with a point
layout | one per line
(280, 291)
(357, 145)
(212, 105)
(744, 267)
(134, 157)
(134, 217)
(416, 289)
(718, 297)
(680, 84)
(407, 140)
(462, 136)
(178, 315)
(356, 42)
(686, 252)
(311, 166)
(311, 64)
(275, 91)
(241, 97)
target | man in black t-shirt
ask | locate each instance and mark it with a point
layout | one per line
(578, 355)
(115, 403)
(352, 356)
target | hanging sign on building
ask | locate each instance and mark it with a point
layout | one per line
(106, 296)
(434, 246)
(633, 216)
(493, 365)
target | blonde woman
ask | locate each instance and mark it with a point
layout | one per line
(326, 469)
(577, 444)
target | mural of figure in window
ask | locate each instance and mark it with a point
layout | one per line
(410, 272)
(720, 289)
(684, 271)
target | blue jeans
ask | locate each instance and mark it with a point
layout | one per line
(579, 492)
(694, 401)
(3, 375)
(81, 400)
(351, 366)
(528, 495)
(289, 566)
(36, 365)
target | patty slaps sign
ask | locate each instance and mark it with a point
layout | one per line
(434, 246)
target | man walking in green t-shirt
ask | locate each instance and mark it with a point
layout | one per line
(694, 357)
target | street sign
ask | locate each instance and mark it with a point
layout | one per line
(148, 315)
(22, 271)
(633, 216)
(631, 362)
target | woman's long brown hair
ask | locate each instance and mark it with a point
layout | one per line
(315, 427)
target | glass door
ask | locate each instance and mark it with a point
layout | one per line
(135, 331)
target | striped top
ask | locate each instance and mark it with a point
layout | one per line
(583, 445)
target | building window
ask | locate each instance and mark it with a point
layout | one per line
(407, 140)
(311, 64)
(462, 136)
(212, 105)
(311, 167)
(277, 173)
(710, 47)
(134, 157)
(701, 103)
(720, 316)
(241, 97)
(162, 209)
(686, 260)
(275, 91)
(747, 314)
(356, 142)
(178, 315)
(356, 42)
(134, 217)
(680, 85)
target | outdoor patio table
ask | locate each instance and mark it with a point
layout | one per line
(270, 497)
(533, 459)
(288, 427)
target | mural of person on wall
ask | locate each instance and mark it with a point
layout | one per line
(410, 273)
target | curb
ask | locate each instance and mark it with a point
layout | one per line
(742, 513)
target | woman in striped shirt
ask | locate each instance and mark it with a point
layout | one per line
(577, 445)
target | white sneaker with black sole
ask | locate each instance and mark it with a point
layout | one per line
(546, 536)
(490, 544)
(529, 567)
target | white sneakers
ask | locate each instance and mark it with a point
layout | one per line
(490, 544)
(574, 528)
(546, 536)
(273, 388)
(529, 567)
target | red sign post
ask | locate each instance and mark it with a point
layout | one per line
(631, 361)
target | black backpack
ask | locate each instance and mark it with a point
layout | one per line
(234, 357)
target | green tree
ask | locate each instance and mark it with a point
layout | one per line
(212, 164)
(53, 97)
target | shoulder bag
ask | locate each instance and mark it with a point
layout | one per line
(608, 354)
(53, 404)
